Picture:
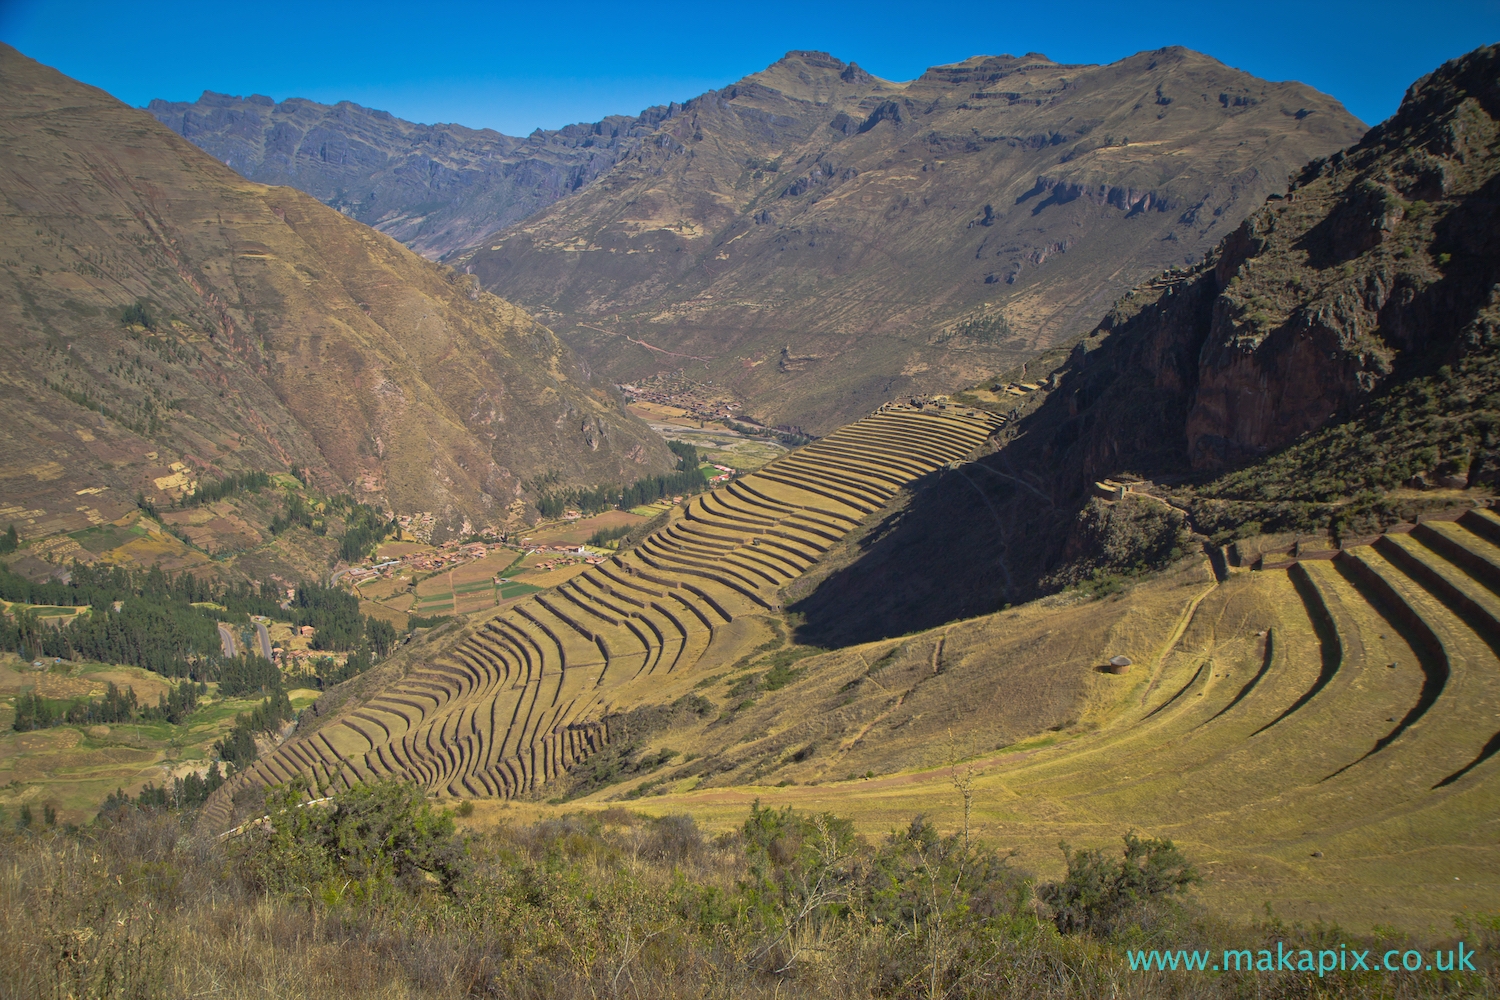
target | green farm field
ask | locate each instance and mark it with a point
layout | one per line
(73, 768)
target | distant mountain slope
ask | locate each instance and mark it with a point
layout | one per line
(1332, 369)
(820, 240)
(436, 188)
(164, 320)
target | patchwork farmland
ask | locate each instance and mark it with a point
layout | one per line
(527, 694)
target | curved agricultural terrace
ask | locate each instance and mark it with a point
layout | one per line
(1323, 733)
(525, 695)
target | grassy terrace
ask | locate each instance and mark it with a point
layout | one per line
(532, 691)
(1321, 737)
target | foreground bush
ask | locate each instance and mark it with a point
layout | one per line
(374, 894)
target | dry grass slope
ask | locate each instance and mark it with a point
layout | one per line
(1321, 736)
(163, 321)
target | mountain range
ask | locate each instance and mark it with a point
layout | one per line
(815, 240)
(436, 188)
(167, 321)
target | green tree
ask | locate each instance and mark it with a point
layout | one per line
(1099, 893)
(936, 895)
(803, 873)
(382, 835)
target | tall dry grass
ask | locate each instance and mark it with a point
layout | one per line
(141, 908)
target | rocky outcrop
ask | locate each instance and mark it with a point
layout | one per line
(1059, 191)
(1376, 258)
(1380, 261)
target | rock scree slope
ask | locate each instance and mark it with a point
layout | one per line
(163, 320)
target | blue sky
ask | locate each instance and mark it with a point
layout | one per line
(515, 67)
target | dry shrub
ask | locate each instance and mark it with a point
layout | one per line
(592, 906)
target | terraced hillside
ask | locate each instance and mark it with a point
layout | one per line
(1321, 735)
(529, 693)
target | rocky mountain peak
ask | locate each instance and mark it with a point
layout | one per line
(436, 188)
(213, 99)
(984, 69)
(1435, 106)
(915, 234)
(810, 76)
(811, 57)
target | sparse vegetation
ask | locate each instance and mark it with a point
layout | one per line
(137, 314)
(1435, 429)
(1101, 893)
(625, 755)
(1126, 537)
(378, 889)
(237, 749)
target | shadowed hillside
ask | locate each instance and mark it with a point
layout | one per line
(820, 241)
(166, 320)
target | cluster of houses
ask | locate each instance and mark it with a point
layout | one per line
(567, 555)
(697, 400)
(418, 526)
(448, 555)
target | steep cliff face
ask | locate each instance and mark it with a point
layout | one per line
(901, 237)
(1332, 359)
(436, 188)
(163, 320)
(1379, 261)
